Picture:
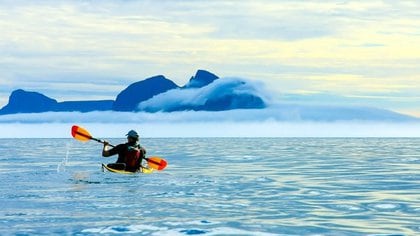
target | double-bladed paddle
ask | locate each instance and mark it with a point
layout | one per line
(83, 135)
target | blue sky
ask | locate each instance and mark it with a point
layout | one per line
(313, 52)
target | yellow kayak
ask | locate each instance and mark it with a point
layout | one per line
(143, 170)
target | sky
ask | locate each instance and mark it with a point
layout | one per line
(310, 52)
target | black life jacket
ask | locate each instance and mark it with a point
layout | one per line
(133, 157)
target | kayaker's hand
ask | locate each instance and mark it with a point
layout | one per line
(105, 152)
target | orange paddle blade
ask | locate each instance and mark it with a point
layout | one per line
(80, 133)
(156, 163)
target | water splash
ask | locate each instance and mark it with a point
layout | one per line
(61, 167)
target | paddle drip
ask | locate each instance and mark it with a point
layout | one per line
(61, 167)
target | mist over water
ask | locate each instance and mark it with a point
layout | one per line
(267, 128)
(214, 186)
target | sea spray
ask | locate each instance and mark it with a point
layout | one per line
(61, 167)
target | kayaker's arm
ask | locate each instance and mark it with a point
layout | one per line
(105, 152)
(142, 155)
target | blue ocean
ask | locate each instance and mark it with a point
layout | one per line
(214, 186)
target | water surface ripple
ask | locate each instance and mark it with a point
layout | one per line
(215, 186)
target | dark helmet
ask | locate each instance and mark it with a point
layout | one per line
(133, 134)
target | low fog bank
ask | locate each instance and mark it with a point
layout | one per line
(216, 129)
(280, 113)
(276, 121)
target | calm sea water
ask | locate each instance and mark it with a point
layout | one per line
(214, 186)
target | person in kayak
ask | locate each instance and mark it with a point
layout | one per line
(130, 154)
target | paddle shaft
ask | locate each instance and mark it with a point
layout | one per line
(92, 138)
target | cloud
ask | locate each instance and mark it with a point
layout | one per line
(277, 113)
(216, 129)
(195, 97)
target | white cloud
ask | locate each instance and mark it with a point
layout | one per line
(216, 129)
(198, 96)
(278, 113)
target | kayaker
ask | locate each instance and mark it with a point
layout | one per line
(130, 154)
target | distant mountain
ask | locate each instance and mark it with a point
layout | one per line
(214, 96)
(330, 113)
(202, 78)
(85, 106)
(130, 97)
(204, 92)
(21, 101)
